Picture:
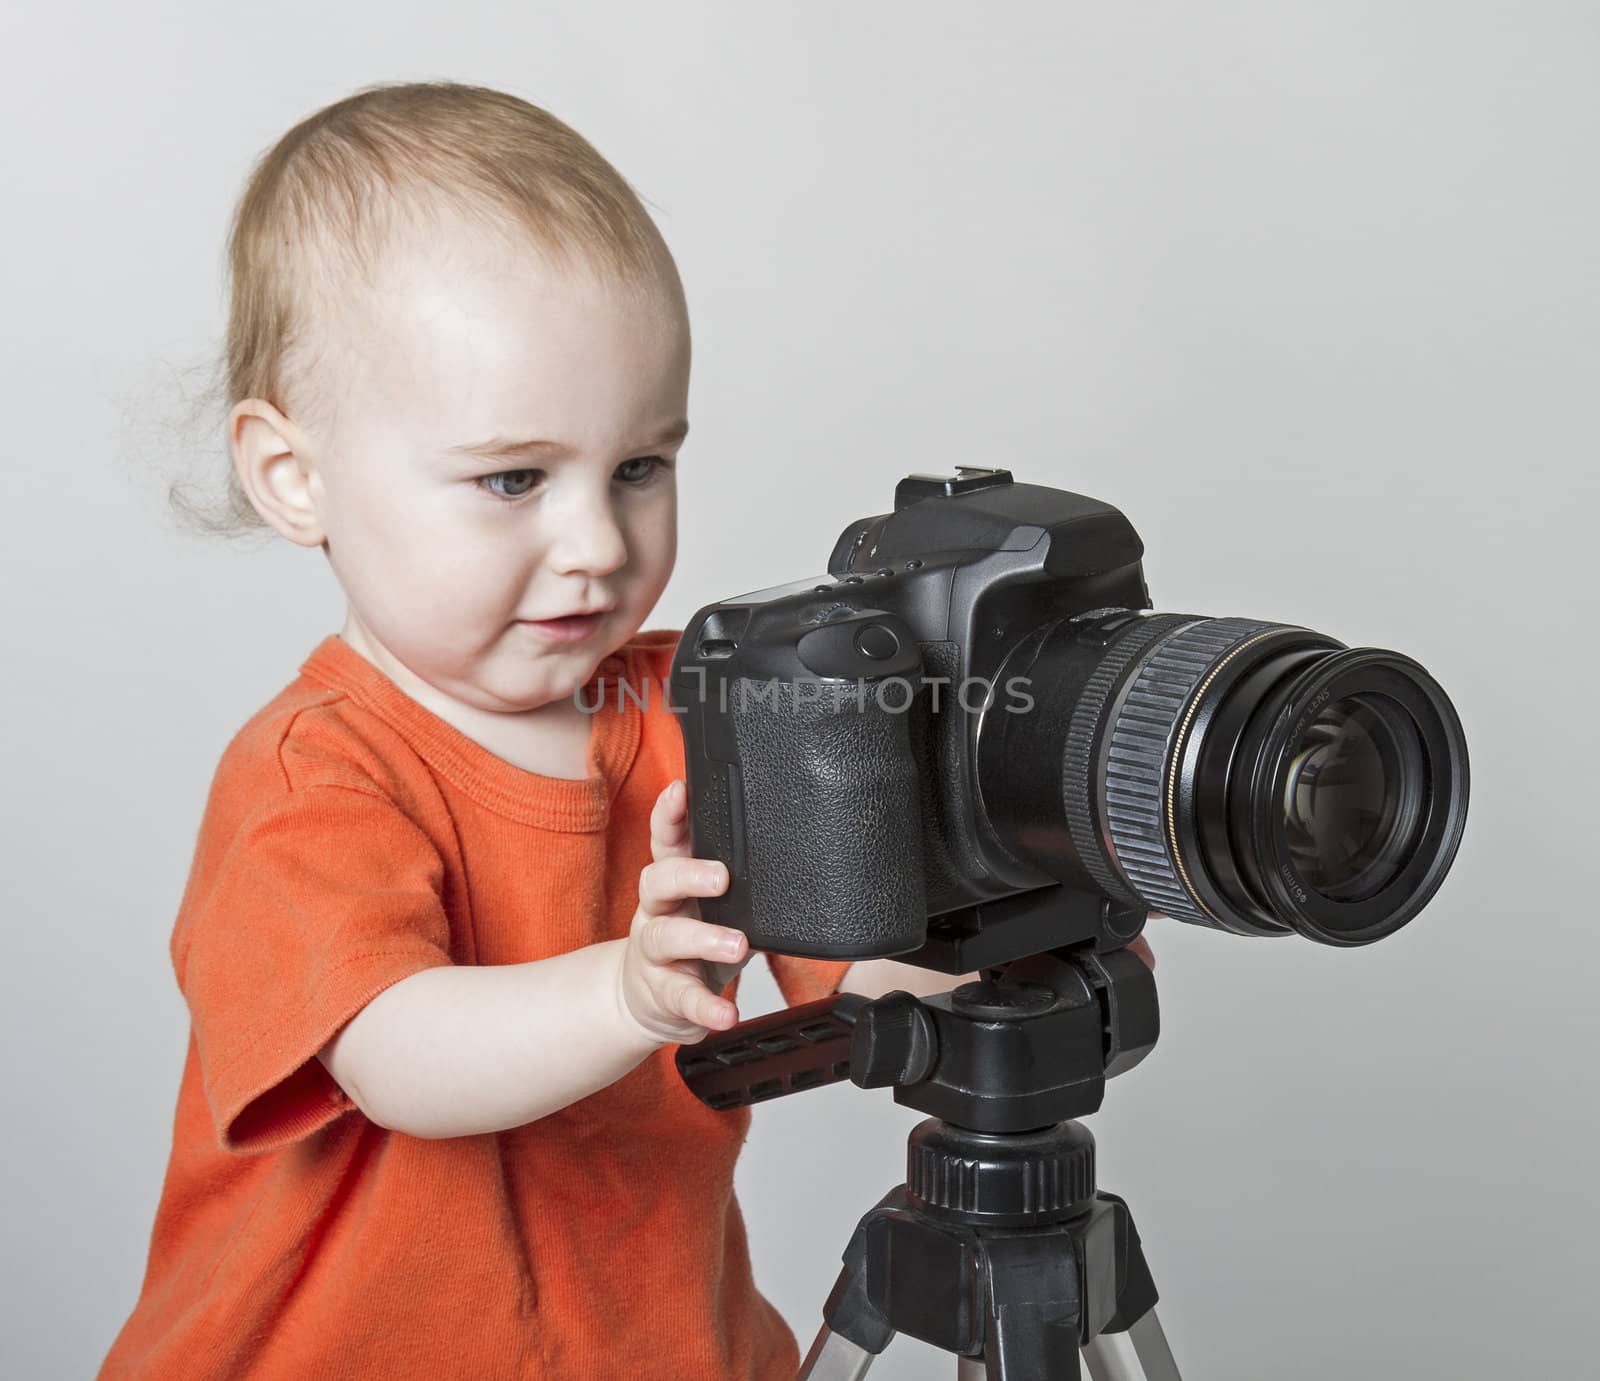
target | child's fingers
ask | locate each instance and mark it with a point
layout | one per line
(667, 939)
(668, 881)
(669, 822)
(671, 808)
(690, 999)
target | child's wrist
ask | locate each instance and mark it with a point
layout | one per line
(632, 1030)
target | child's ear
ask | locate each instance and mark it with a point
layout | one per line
(273, 460)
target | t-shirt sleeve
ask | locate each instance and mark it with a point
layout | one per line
(320, 899)
(806, 980)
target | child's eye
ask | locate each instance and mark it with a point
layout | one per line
(654, 465)
(517, 483)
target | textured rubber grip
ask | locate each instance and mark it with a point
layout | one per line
(832, 822)
(787, 1051)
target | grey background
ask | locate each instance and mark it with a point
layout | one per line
(1307, 290)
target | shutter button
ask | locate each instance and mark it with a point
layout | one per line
(877, 642)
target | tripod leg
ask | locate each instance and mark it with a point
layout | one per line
(1140, 1354)
(833, 1357)
(849, 1314)
(1150, 1342)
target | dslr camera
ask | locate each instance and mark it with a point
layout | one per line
(978, 701)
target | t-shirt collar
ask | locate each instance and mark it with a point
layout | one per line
(560, 803)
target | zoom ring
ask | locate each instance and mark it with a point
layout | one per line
(1141, 744)
(1078, 754)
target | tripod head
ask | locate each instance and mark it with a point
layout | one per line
(1061, 1007)
(999, 1243)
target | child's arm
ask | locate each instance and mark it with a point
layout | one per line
(459, 1049)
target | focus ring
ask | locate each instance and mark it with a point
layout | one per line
(1077, 759)
(1140, 747)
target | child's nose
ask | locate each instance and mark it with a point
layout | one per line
(590, 541)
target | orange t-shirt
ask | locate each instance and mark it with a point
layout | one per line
(351, 838)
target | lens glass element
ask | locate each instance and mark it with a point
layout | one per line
(1353, 798)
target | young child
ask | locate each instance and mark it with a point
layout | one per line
(440, 932)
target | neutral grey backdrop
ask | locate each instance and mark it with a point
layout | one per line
(1308, 290)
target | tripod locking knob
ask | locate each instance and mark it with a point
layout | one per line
(894, 1042)
(1022, 1180)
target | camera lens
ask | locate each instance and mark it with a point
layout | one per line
(1352, 799)
(1256, 777)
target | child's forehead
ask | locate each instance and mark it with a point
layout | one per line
(424, 262)
(494, 336)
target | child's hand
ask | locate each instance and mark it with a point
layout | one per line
(674, 965)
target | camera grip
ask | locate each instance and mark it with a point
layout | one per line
(831, 813)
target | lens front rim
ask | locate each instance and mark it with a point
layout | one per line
(1268, 749)
(1211, 843)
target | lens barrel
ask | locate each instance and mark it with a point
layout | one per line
(1260, 778)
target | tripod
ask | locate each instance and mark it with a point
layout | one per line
(1014, 1303)
(998, 1247)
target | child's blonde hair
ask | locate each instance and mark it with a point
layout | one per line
(319, 205)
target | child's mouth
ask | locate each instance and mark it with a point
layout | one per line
(569, 629)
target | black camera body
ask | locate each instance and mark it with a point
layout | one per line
(838, 840)
(976, 701)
